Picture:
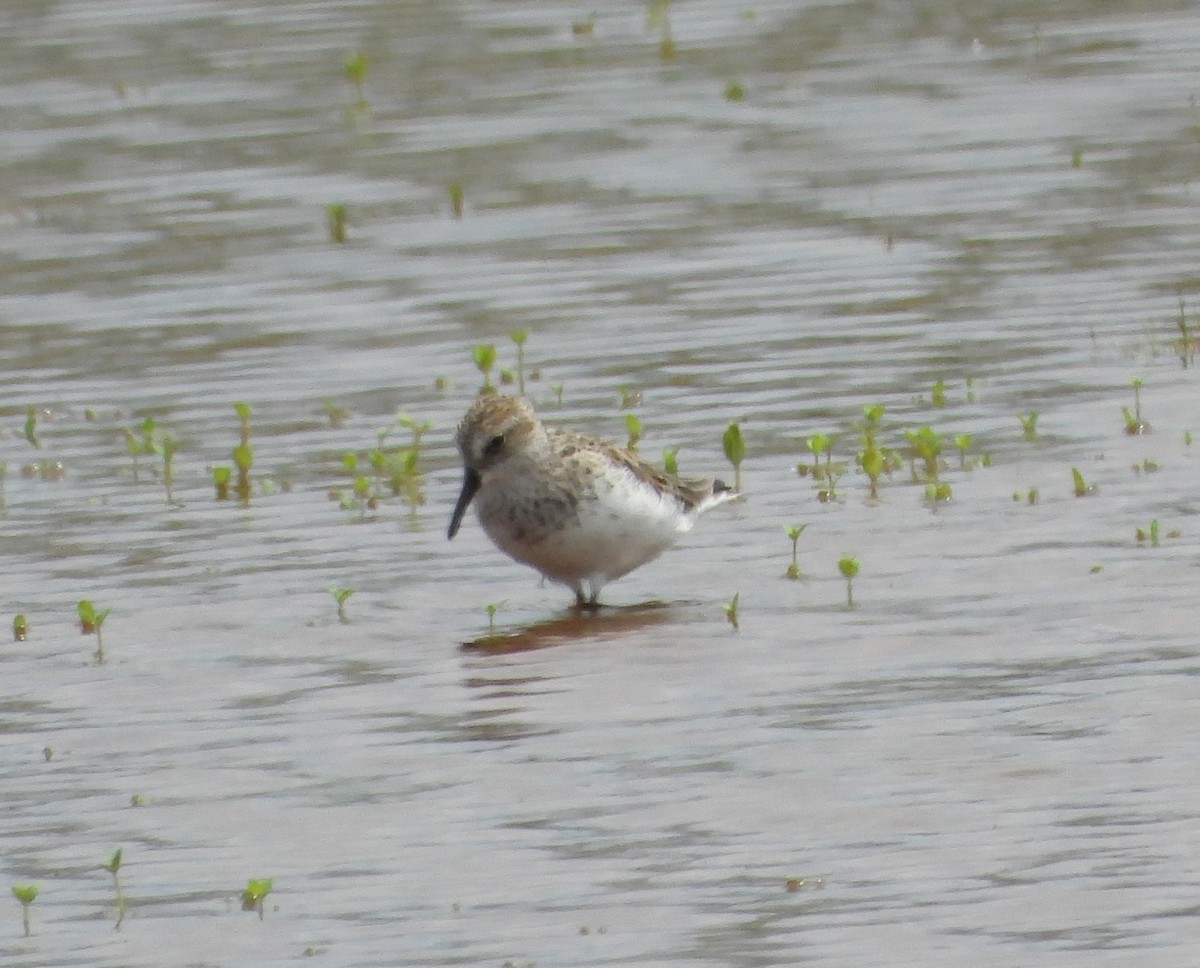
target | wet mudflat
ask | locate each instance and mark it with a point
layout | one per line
(802, 211)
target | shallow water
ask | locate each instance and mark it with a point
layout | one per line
(991, 759)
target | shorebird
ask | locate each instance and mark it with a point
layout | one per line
(579, 510)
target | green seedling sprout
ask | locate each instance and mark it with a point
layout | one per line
(825, 477)
(849, 568)
(815, 445)
(355, 68)
(1187, 341)
(151, 442)
(794, 531)
(735, 452)
(222, 475)
(557, 390)
(735, 91)
(378, 459)
(31, 422)
(255, 894)
(833, 473)
(148, 429)
(134, 447)
(633, 425)
(335, 218)
(1150, 534)
(938, 394)
(519, 337)
(26, 894)
(20, 628)
(963, 443)
(457, 199)
(243, 453)
(90, 622)
(407, 479)
(341, 596)
(360, 483)
(492, 608)
(114, 867)
(484, 355)
(1134, 424)
(1076, 157)
(1028, 424)
(731, 610)
(140, 446)
(925, 445)
(167, 448)
(1082, 487)
(937, 491)
(873, 459)
(671, 461)
(418, 428)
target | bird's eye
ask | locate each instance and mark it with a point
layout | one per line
(493, 446)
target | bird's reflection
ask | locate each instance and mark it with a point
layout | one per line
(602, 622)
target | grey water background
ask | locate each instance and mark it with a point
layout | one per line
(992, 759)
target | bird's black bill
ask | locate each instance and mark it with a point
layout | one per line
(469, 486)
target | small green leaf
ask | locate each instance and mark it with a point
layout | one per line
(355, 68)
(633, 424)
(31, 428)
(671, 461)
(256, 890)
(484, 355)
(243, 456)
(734, 444)
(731, 610)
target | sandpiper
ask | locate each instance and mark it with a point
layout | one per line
(578, 510)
